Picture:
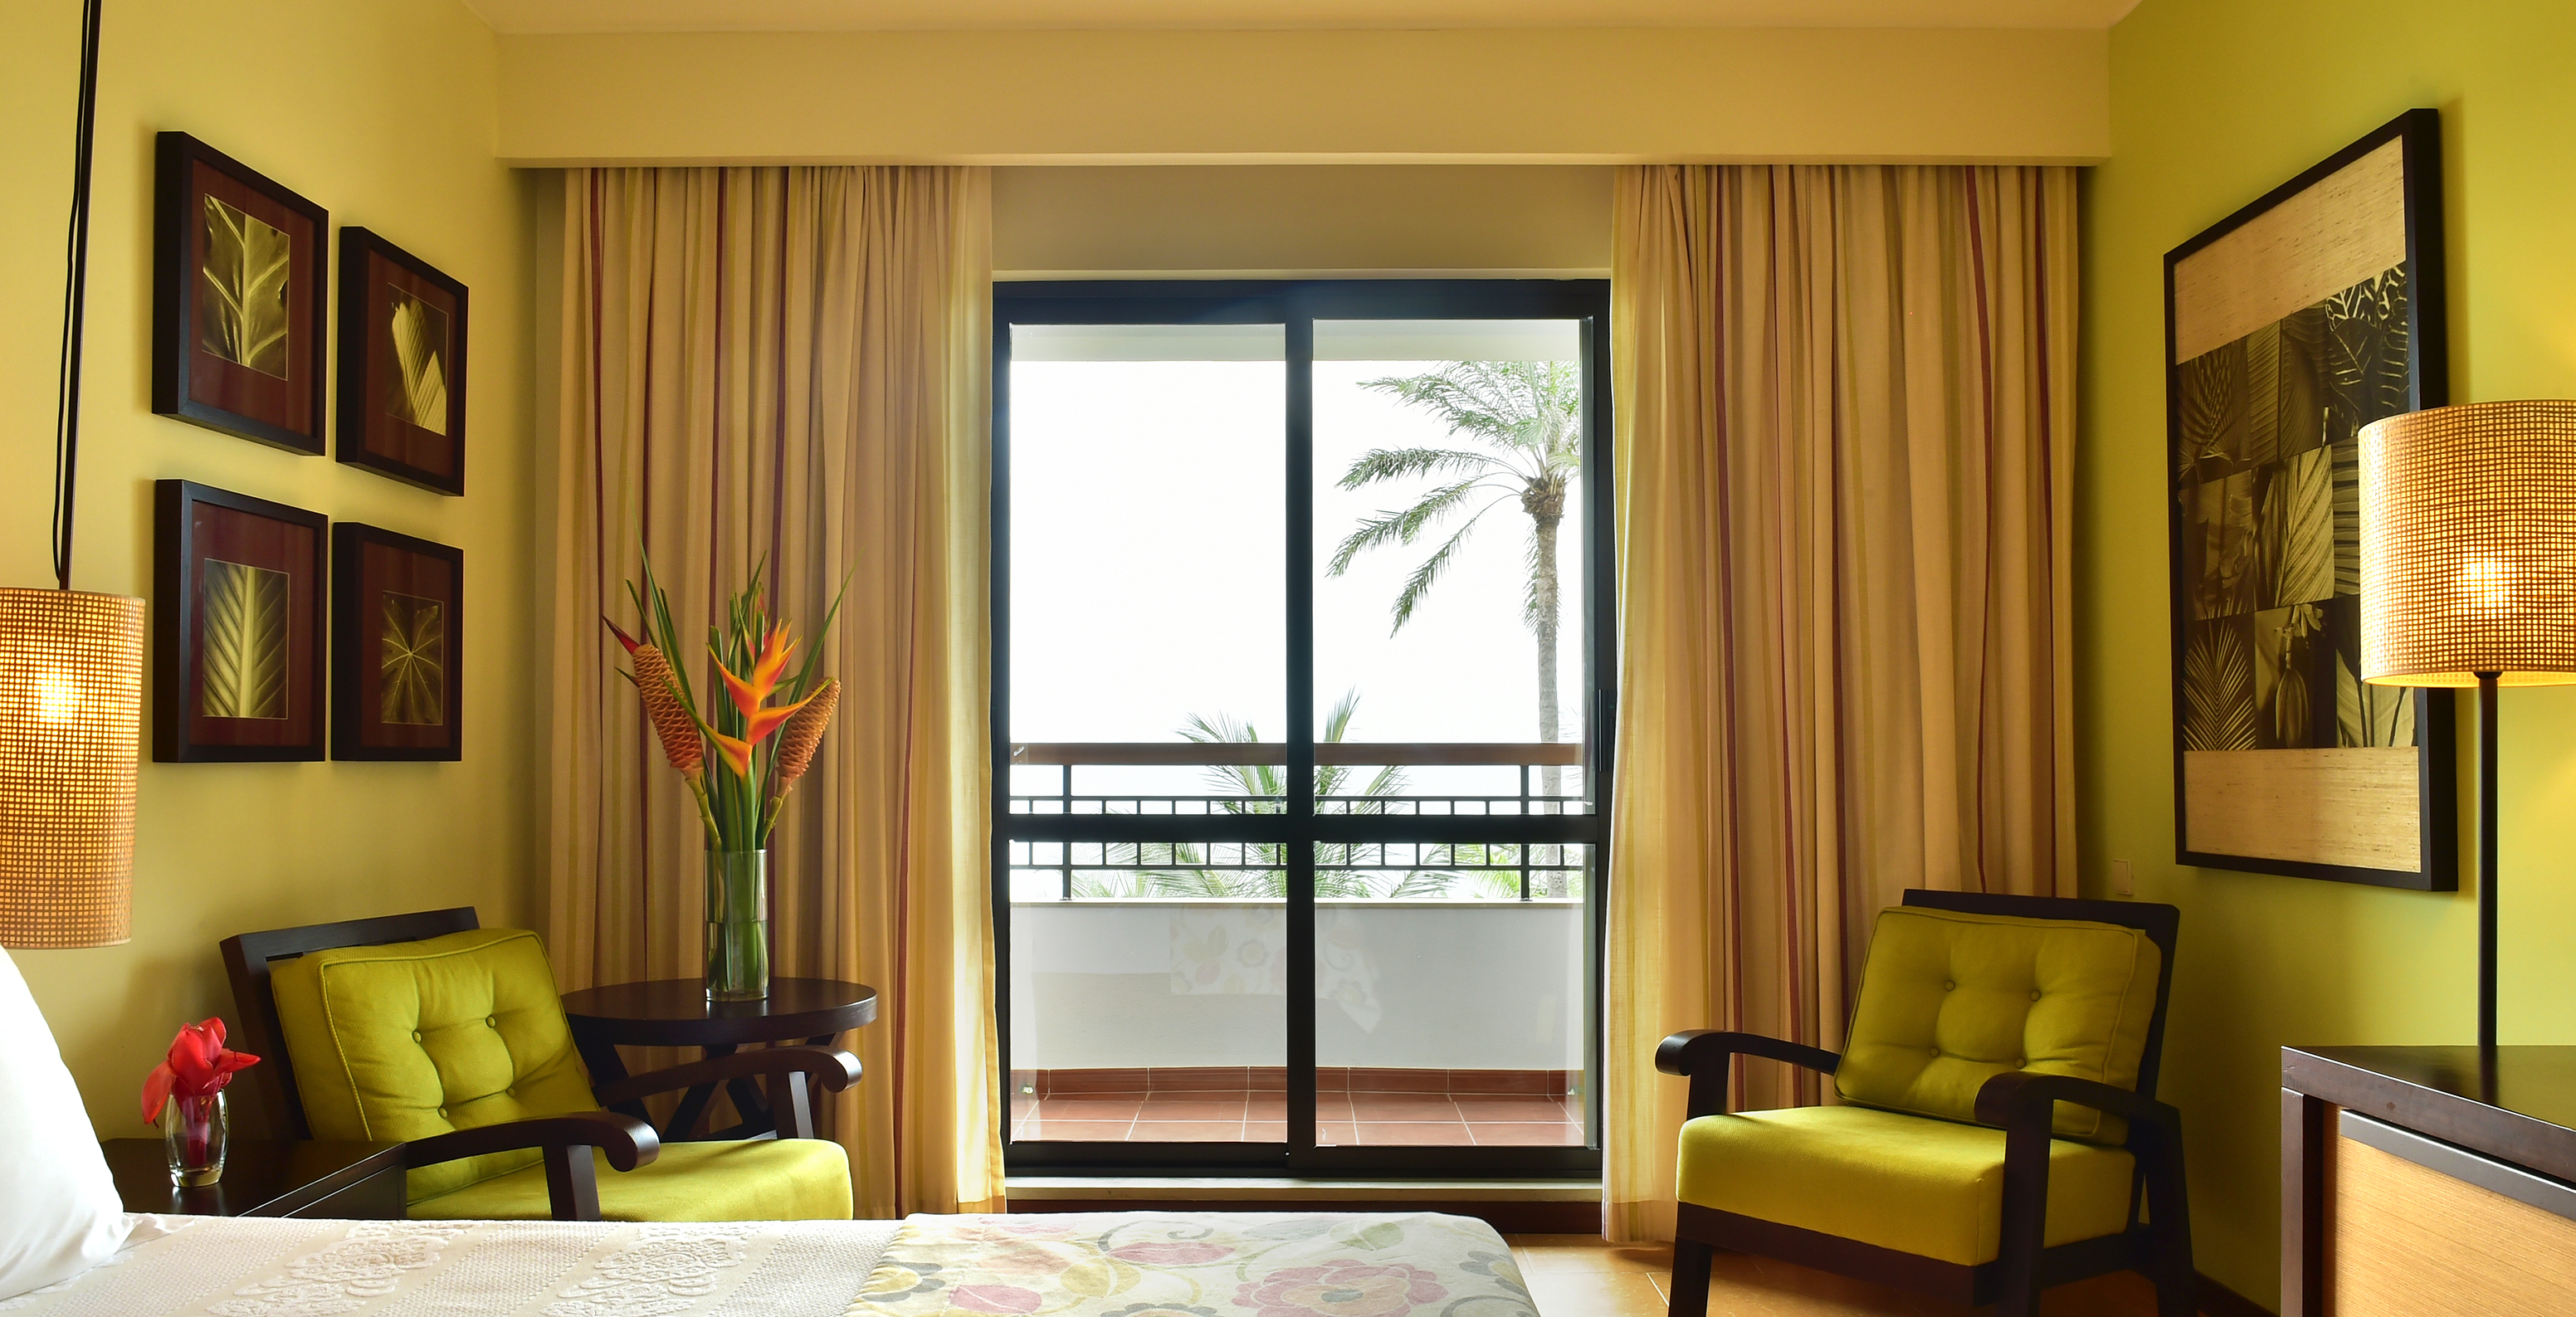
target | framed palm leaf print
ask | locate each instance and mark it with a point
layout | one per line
(397, 677)
(238, 303)
(402, 365)
(237, 588)
(2289, 326)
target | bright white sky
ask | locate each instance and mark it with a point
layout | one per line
(1147, 550)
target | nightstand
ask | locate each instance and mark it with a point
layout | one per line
(268, 1177)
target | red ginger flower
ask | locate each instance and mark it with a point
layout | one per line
(198, 1064)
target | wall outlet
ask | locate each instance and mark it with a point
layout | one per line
(2121, 883)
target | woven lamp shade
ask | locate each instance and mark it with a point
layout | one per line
(71, 704)
(2468, 545)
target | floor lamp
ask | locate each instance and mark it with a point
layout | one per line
(2468, 566)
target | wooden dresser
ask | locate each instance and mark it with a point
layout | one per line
(2421, 1181)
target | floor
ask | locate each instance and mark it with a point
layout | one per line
(1342, 1119)
(1581, 1276)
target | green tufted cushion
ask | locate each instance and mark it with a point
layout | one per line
(1950, 1000)
(411, 1039)
(1920, 1186)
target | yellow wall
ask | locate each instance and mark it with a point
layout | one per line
(381, 111)
(1066, 221)
(2215, 102)
(1527, 96)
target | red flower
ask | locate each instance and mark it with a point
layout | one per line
(198, 1064)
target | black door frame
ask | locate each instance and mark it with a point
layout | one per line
(1298, 305)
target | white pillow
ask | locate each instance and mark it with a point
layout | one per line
(59, 1213)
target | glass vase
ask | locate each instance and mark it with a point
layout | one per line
(193, 1133)
(737, 925)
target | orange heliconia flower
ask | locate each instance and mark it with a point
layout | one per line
(750, 694)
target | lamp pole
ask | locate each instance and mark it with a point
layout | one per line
(2487, 847)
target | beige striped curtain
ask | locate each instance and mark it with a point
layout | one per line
(791, 366)
(1845, 402)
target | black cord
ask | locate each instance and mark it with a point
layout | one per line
(75, 282)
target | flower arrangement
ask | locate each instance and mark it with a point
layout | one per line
(741, 755)
(187, 1087)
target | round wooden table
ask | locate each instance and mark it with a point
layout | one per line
(676, 1013)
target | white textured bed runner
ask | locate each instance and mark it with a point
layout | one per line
(1123, 1264)
(205, 1267)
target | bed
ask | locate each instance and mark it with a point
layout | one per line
(1126, 1264)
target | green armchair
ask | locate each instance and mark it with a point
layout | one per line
(1997, 1133)
(427, 1030)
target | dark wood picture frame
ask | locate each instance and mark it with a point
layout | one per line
(267, 616)
(369, 618)
(203, 327)
(384, 375)
(2263, 520)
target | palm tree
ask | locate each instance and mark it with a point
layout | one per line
(1528, 416)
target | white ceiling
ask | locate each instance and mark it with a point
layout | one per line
(923, 15)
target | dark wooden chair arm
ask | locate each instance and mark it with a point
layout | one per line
(831, 1067)
(2025, 1105)
(2020, 1096)
(1706, 1055)
(572, 1183)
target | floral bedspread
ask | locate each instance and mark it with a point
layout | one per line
(1152, 1264)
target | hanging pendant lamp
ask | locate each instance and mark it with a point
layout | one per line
(71, 678)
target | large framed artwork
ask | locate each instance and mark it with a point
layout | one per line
(402, 365)
(237, 668)
(397, 683)
(2289, 326)
(238, 302)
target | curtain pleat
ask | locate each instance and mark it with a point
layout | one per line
(1844, 402)
(787, 369)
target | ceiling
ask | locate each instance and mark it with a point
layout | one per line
(923, 15)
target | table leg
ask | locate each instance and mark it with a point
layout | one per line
(693, 1105)
(607, 1067)
(2305, 1127)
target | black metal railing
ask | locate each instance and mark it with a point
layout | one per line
(1382, 870)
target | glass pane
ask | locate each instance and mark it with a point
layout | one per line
(1149, 1006)
(1449, 537)
(1450, 1010)
(1148, 629)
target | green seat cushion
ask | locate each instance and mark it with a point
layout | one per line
(1913, 1184)
(1950, 1000)
(754, 1180)
(411, 1039)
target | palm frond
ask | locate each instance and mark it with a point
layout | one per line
(1379, 464)
(2218, 691)
(1431, 570)
(418, 388)
(1402, 525)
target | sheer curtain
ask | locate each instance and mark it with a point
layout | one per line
(790, 366)
(1845, 424)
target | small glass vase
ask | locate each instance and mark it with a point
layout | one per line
(737, 925)
(193, 1133)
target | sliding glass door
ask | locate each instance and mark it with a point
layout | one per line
(1301, 655)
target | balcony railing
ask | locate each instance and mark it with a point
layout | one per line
(1219, 870)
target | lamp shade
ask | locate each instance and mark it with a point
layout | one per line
(71, 704)
(2468, 545)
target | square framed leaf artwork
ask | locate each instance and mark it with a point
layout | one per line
(2289, 326)
(402, 365)
(397, 678)
(237, 661)
(238, 299)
